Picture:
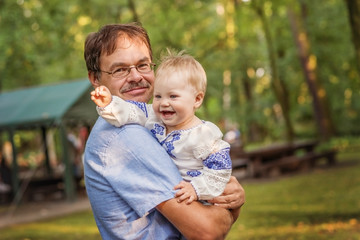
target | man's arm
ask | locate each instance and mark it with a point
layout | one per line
(232, 198)
(197, 221)
(206, 222)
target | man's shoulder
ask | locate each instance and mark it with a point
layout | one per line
(106, 138)
(104, 130)
(102, 125)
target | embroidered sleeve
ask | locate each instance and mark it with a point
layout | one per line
(210, 181)
(120, 112)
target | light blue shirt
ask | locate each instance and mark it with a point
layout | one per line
(127, 174)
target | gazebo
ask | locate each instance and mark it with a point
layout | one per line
(46, 107)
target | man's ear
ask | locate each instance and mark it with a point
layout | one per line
(93, 79)
(199, 99)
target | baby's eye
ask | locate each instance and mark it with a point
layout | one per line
(173, 96)
(157, 96)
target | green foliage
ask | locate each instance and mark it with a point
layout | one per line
(42, 42)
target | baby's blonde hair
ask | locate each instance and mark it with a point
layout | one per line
(183, 64)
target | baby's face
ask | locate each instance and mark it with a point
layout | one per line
(174, 101)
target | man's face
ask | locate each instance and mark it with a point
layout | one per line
(135, 86)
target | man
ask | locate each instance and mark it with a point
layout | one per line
(129, 177)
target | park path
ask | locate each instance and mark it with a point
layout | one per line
(36, 211)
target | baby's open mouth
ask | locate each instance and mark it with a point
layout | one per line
(167, 113)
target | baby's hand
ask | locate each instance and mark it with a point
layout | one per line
(186, 191)
(101, 96)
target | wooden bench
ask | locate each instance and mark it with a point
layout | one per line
(329, 156)
(40, 189)
(240, 160)
(272, 160)
(5, 194)
(239, 163)
(294, 163)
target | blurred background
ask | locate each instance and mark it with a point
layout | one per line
(277, 70)
(280, 73)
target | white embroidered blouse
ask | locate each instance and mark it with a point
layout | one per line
(200, 154)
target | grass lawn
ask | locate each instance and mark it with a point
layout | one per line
(78, 226)
(322, 204)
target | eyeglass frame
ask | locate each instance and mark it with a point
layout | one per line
(128, 69)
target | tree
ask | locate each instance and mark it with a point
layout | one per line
(353, 7)
(278, 85)
(227, 37)
(322, 117)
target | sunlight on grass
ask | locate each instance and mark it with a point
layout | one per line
(75, 226)
(322, 204)
(331, 230)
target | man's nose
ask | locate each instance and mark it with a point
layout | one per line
(134, 75)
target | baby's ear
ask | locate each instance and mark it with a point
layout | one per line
(199, 99)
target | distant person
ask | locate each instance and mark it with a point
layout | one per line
(5, 175)
(75, 154)
(196, 146)
(233, 137)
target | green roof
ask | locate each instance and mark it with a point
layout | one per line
(47, 105)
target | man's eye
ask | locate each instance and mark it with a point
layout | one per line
(143, 66)
(120, 70)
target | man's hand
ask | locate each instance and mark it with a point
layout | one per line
(186, 191)
(232, 198)
(101, 96)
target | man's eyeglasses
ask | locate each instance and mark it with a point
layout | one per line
(122, 72)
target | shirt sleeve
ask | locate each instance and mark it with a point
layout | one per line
(140, 170)
(212, 178)
(120, 112)
(210, 181)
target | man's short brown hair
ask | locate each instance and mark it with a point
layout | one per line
(104, 41)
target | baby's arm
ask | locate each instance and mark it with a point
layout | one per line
(118, 112)
(211, 179)
(101, 96)
(186, 191)
(211, 182)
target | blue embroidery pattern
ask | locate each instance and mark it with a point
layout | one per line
(140, 105)
(169, 146)
(219, 160)
(193, 173)
(158, 129)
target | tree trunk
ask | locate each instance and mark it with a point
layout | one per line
(132, 8)
(308, 64)
(277, 84)
(254, 132)
(354, 19)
